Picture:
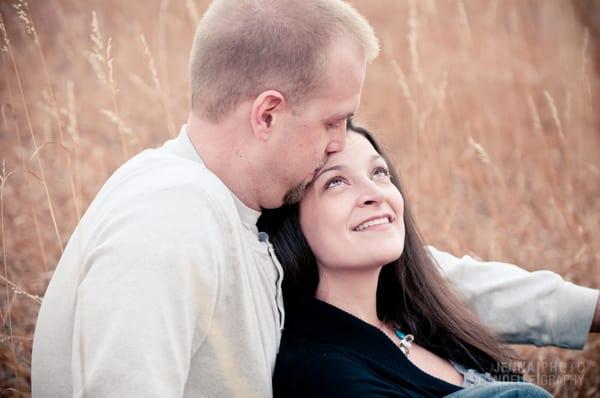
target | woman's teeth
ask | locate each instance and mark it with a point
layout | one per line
(372, 223)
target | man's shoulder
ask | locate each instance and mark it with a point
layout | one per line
(154, 170)
(155, 189)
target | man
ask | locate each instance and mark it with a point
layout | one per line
(166, 288)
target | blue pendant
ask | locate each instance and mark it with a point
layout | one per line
(405, 341)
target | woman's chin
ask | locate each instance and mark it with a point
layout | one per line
(383, 251)
(373, 260)
(386, 259)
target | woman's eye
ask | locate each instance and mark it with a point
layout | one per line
(381, 172)
(333, 182)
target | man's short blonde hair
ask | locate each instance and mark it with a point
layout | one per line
(244, 47)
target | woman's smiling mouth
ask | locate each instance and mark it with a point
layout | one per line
(373, 222)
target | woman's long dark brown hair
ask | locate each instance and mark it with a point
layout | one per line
(411, 293)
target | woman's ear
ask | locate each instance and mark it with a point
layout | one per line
(265, 108)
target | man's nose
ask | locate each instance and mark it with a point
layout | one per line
(338, 142)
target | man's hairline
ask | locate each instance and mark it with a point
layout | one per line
(319, 88)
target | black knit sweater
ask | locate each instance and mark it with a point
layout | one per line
(326, 352)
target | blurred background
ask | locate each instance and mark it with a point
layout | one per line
(490, 109)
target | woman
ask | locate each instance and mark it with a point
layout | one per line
(359, 285)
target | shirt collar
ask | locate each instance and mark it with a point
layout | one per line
(182, 146)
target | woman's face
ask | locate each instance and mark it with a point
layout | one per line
(352, 214)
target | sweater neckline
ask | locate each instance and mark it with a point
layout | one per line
(182, 146)
(326, 324)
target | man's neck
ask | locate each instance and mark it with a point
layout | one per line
(352, 291)
(224, 151)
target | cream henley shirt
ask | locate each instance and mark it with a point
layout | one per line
(164, 290)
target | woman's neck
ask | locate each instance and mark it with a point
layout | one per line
(354, 291)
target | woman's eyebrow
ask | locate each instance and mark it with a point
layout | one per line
(324, 170)
(342, 167)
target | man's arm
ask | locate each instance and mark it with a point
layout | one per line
(147, 301)
(523, 307)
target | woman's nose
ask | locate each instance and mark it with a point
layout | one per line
(371, 194)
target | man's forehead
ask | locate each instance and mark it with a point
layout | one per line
(344, 79)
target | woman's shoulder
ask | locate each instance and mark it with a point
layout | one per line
(312, 369)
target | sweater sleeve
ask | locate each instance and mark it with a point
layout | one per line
(522, 307)
(147, 300)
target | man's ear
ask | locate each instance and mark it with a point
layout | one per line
(265, 108)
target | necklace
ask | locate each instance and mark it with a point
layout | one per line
(405, 341)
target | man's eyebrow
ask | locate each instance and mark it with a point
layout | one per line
(335, 167)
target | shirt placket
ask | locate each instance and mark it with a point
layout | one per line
(264, 238)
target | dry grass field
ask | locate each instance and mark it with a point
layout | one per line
(490, 109)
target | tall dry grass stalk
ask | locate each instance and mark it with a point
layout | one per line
(69, 111)
(413, 38)
(156, 81)
(23, 16)
(8, 116)
(6, 318)
(102, 61)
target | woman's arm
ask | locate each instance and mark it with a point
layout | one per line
(523, 307)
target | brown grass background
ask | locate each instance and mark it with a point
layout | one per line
(489, 107)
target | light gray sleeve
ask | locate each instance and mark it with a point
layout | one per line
(522, 307)
(147, 302)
